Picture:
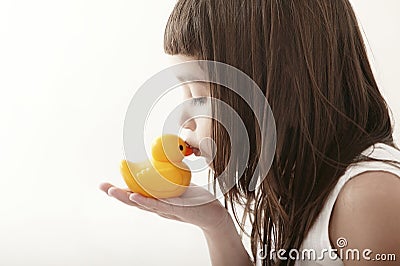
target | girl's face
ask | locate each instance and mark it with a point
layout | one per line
(196, 130)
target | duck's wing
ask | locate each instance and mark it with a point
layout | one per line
(162, 176)
(160, 179)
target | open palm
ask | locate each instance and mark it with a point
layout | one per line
(196, 206)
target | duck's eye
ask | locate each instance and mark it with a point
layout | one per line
(181, 147)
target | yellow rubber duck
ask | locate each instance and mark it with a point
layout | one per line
(164, 175)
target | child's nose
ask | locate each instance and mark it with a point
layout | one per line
(188, 123)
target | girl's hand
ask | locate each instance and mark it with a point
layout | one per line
(196, 206)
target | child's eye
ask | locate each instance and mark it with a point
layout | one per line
(199, 100)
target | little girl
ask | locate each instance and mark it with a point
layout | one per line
(333, 189)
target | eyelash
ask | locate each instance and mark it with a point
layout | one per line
(199, 100)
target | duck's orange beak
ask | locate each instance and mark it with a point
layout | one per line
(188, 150)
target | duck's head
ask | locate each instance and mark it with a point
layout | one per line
(169, 148)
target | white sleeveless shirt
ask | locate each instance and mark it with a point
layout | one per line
(317, 238)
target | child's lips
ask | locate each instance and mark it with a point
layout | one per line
(196, 151)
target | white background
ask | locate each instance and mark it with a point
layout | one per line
(68, 70)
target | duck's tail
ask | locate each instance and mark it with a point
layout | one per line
(127, 170)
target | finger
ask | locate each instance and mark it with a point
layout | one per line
(105, 187)
(153, 204)
(167, 216)
(118, 193)
(173, 201)
(121, 195)
(163, 215)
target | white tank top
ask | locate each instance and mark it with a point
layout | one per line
(317, 238)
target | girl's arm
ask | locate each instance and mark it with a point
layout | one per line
(225, 246)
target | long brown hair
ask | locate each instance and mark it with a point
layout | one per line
(310, 61)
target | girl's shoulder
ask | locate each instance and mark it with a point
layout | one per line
(362, 209)
(366, 209)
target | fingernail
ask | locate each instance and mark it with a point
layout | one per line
(109, 191)
(134, 197)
